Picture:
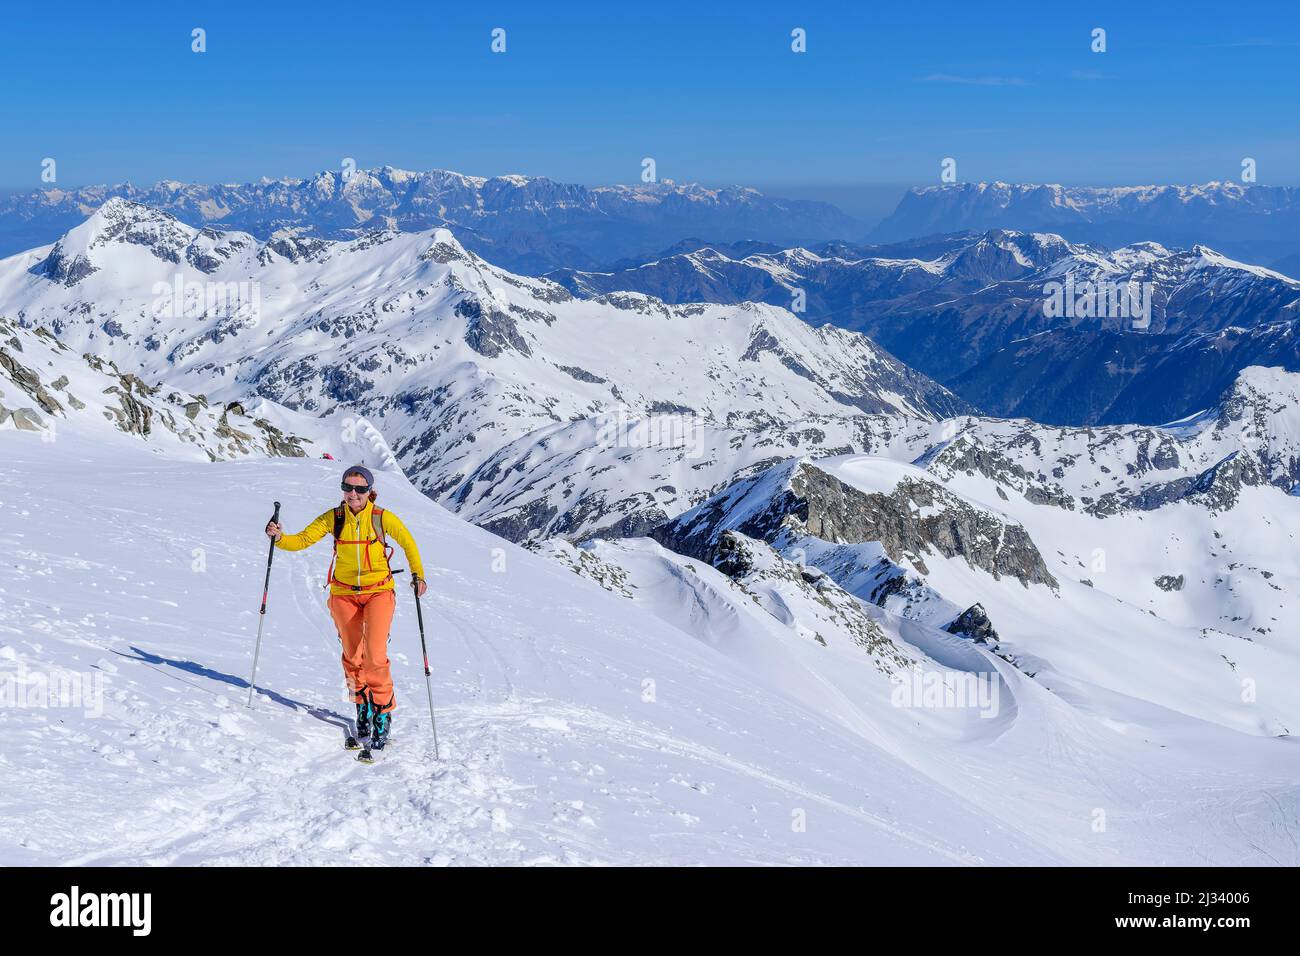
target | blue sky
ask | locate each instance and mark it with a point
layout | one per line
(585, 91)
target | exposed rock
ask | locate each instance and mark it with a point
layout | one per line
(669, 408)
(490, 331)
(966, 454)
(760, 570)
(135, 406)
(22, 376)
(29, 382)
(585, 564)
(517, 525)
(974, 624)
(916, 517)
(1217, 488)
(26, 419)
(47, 401)
(64, 268)
(136, 384)
(1167, 582)
(133, 416)
(444, 252)
(582, 375)
(277, 442)
(100, 364)
(294, 248)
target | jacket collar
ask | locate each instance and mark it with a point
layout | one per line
(360, 515)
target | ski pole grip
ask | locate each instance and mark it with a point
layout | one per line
(276, 517)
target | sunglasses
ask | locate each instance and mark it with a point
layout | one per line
(356, 489)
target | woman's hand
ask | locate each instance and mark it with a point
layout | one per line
(420, 587)
(274, 531)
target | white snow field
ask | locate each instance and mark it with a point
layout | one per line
(576, 726)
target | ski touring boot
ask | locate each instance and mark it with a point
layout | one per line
(380, 722)
(363, 726)
(379, 736)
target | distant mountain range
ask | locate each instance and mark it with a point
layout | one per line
(1250, 222)
(527, 224)
(966, 308)
(531, 224)
(971, 311)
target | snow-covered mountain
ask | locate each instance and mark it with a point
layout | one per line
(536, 415)
(835, 278)
(615, 476)
(49, 389)
(450, 357)
(1000, 347)
(1256, 223)
(1066, 553)
(773, 576)
(754, 712)
(1205, 585)
(528, 224)
(607, 477)
(975, 316)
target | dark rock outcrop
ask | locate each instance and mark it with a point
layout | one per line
(915, 518)
(974, 624)
(490, 331)
(1217, 489)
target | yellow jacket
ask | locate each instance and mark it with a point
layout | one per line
(360, 560)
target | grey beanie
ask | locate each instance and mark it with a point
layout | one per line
(363, 471)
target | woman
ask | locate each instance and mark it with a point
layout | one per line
(362, 597)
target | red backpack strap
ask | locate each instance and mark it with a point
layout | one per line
(377, 524)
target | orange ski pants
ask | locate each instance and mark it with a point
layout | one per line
(363, 621)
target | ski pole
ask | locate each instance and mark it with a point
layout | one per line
(266, 585)
(415, 587)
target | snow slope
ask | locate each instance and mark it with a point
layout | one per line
(577, 726)
(1108, 625)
